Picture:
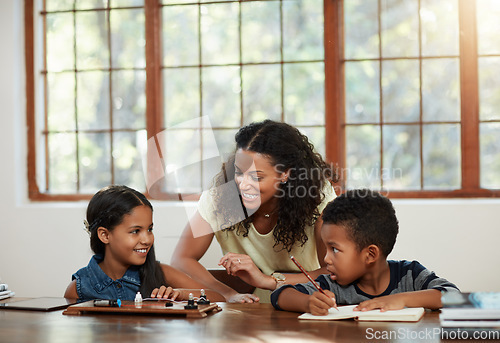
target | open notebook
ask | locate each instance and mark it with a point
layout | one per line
(346, 312)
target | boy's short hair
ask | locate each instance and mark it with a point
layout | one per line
(368, 216)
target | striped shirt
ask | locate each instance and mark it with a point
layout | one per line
(406, 276)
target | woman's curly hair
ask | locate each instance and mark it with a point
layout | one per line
(289, 150)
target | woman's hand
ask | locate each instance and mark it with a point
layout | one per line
(243, 266)
(243, 298)
(165, 293)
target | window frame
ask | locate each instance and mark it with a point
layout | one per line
(469, 103)
(153, 84)
(334, 100)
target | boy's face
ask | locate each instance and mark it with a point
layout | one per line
(344, 261)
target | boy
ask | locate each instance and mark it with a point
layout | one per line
(359, 231)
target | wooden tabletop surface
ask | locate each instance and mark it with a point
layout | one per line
(235, 323)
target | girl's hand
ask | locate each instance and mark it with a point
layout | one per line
(243, 266)
(165, 293)
(243, 298)
(319, 303)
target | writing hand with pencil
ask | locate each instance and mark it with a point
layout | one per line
(319, 302)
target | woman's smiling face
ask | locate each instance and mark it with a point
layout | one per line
(257, 179)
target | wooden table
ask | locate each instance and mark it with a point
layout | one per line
(235, 323)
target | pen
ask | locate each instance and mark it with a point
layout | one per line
(309, 277)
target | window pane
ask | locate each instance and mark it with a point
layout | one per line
(303, 30)
(59, 5)
(168, 2)
(95, 164)
(60, 32)
(362, 92)
(260, 31)
(125, 3)
(488, 26)
(441, 156)
(400, 91)
(304, 93)
(219, 31)
(401, 169)
(399, 28)
(127, 160)
(224, 141)
(210, 168)
(261, 92)
(441, 94)
(61, 101)
(182, 95)
(90, 4)
(93, 100)
(221, 95)
(180, 35)
(183, 161)
(92, 40)
(361, 29)
(129, 99)
(191, 1)
(316, 136)
(489, 88)
(225, 147)
(362, 157)
(128, 40)
(490, 155)
(62, 163)
(439, 27)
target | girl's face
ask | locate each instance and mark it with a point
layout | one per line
(129, 242)
(257, 179)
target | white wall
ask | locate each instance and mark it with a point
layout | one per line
(42, 244)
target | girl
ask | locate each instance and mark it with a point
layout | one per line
(265, 205)
(120, 224)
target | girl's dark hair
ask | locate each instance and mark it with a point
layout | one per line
(106, 209)
(289, 150)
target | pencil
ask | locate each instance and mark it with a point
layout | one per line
(309, 277)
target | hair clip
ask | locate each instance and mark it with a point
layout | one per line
(87, 226)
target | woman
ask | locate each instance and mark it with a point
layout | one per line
(265, 205)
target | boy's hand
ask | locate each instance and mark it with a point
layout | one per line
(385, 303)
(319, 303)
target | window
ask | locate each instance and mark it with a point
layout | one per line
(235, 62)
(172, 80)
(89, 82)
(416, 114)
(400, 95)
